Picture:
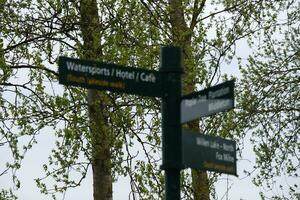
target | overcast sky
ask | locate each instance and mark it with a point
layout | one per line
(32, 168)
(239, 187)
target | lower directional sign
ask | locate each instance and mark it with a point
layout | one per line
(207, 102)
(111, 77)
(208, 153)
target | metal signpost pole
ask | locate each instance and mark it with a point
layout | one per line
(197, 152)
(171, 69)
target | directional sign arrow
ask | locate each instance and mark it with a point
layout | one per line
(207, 102)
(206, 152)
(111, 77)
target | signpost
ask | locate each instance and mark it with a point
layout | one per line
(180, 150)
(111, 77)
(171, 69)
(206, 152)
(207, 102)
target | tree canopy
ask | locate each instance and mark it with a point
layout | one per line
(270, 99)
(33, 34)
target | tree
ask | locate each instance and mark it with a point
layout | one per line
(270, 99)
(37, 105)
(35, 33)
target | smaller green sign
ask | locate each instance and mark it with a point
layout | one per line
(208, 152)
(111, 77)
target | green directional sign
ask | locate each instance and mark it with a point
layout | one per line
(111, 77)
(207, 102)
(181, 148)
(205, 152)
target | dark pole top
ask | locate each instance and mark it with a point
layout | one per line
(171, 59)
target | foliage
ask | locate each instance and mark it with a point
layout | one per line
(270, 97)
(7, 195)
(34, 33)
(31, 104)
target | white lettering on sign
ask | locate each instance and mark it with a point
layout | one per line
(224, 157)
(218, 104)
(87, 69)
(202, 142)
(190, 102)
(214, 145)
(194, 101)
(227, 157)
(219, 156)
(218, 93)
(125, 74)
(148, 77)
(227, 147)
(113, 72)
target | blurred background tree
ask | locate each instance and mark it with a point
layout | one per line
(127, 143)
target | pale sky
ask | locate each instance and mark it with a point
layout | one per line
(32, 168)
(239, 187)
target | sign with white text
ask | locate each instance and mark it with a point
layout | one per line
(111, 77)
(206, 152)
(207, 102)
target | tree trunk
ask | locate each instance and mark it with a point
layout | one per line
(182, 35)
(100, 142)
(100, 137)
(200, 185)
